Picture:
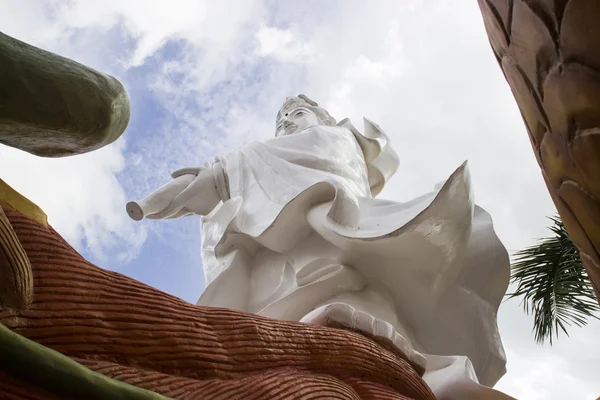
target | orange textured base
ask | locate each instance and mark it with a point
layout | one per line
(129, 331)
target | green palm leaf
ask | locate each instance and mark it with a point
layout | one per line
(553, 284)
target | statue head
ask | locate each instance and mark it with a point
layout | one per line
(298, 113)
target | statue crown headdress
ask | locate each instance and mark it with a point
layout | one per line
(292, 103)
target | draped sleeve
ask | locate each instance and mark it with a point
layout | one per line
(380, 156)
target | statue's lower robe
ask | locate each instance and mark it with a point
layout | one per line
(302, 231)
(134, 333)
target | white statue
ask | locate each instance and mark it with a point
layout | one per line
(291, 229)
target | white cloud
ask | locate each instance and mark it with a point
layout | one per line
(421, 69)
(216, 23)
(566, 370)
(81, 196)
(282, 44)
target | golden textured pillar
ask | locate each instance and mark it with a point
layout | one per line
(549, 51)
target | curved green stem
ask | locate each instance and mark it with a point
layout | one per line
(43, 367)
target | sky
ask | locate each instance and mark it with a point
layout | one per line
(204, 77)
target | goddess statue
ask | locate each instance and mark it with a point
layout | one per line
(292, 230)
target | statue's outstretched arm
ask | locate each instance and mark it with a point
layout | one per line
(194, 190)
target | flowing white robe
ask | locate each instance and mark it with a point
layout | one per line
(302, 230)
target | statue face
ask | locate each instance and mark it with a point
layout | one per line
(295, 120)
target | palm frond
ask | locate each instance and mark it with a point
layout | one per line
(553, 284)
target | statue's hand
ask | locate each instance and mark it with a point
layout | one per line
(185, 171)
(192, 191)
(201, 196)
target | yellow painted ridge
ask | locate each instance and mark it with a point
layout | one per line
(11, 198)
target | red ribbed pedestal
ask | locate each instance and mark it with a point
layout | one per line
(131, 332)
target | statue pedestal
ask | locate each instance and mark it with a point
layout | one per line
(136, 334)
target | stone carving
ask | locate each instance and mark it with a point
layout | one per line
(549, 52)
(292, 230)
(51, 106)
